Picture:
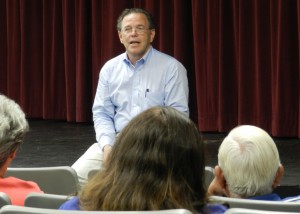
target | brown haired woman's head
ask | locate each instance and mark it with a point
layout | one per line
(157, 162)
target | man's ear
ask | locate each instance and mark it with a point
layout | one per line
(120, 36)
(278, 176)
(152, 35)
(220, 177)
(13, 154)
(218, 186)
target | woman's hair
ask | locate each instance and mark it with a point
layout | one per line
(249, 160)
(135, 10)
(156, 163)
(13, 127)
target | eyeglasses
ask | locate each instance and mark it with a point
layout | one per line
(138, 30)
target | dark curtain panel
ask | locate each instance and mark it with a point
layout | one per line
(298, 15)
(242, 57)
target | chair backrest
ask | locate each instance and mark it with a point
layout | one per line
(11, 209)
(252, 211)
(49, 201)
(258, 204)
(61, 180)
(4, 199)
(209, 175)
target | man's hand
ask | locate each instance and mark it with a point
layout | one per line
(106, 152)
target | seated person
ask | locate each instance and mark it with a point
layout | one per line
(13, 127)
(157, 163)
(248, 165)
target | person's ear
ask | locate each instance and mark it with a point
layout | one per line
(152, 35)
(218, 186)
(278, 176)
(13, 154)
(120, 36)
(220, 177)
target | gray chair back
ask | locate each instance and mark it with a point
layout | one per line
(49, 201)
(257, 204)
(60, 180)
(209, 175)
(11, 209)
(252, 211)
(4, 199)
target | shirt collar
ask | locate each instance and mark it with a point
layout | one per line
(141, 60)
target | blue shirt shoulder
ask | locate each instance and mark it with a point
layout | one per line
(214, 209)
(267, 197)
(72, 204)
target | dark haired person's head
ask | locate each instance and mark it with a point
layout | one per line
(157, 163)
(135, 10)
(136, 30)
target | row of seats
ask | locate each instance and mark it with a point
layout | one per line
(253, 211)
(52, 201)
(62, 180)
(11, 209)
(60, 183)
(257, 204)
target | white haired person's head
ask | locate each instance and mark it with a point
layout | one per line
(249, 162)
(13, 127)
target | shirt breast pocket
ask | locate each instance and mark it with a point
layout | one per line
(154, 98)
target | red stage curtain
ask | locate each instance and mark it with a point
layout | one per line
(242, 57)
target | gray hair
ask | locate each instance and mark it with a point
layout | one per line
(13, 127)
(135, 10)
(249, 160)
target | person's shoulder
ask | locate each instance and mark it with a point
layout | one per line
(160, 55)
(13, 182)
(113, 64)
(72, 204)
(165, 58)
(116, 59)
(215, 209)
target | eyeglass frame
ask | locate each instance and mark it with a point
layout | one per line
(140, 29)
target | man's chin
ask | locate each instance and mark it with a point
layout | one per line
(136, 54)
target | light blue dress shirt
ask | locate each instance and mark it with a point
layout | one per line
(125, 90)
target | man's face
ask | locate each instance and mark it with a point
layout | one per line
(135, 35)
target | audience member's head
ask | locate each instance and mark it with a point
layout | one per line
(248, 164)
(13, 127)
(157, 163)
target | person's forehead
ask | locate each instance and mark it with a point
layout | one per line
(136, 18)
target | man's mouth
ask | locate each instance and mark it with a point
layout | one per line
(134, 42)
